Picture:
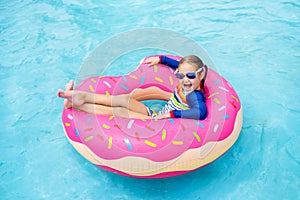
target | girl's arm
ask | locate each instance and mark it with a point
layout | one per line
(163, 60)
(169, 62)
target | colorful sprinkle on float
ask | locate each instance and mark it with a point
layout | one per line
(154, 148)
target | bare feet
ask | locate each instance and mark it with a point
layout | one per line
(72, 98)
(69, 86)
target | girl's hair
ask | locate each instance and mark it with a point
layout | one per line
(196, 62)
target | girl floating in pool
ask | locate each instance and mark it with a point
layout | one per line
(187, 100)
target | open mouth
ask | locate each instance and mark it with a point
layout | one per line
(187, 86)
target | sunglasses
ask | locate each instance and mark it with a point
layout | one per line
(189, 75)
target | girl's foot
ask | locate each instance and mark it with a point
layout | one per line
(72, 98)
(67, 99)
(69, 86)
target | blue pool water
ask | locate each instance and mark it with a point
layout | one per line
(254, 44)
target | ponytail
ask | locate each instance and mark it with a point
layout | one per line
(203, 80)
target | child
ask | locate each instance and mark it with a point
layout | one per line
(187, 101)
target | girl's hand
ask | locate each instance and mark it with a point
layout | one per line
(152, 60)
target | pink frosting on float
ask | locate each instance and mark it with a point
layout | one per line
(112, 137)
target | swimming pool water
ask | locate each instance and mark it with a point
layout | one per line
(254, 44)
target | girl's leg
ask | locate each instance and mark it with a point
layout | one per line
(130, 101)
(107, 110)
(78, 98)
(150, 93)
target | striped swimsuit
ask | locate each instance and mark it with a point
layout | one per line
(176, 102)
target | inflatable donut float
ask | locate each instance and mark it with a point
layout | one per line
(154, 148)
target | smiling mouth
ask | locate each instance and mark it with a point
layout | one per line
(187, 86)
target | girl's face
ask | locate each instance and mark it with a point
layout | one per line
(189, 85)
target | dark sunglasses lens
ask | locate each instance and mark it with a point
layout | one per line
(191, 75)
(179, 75)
